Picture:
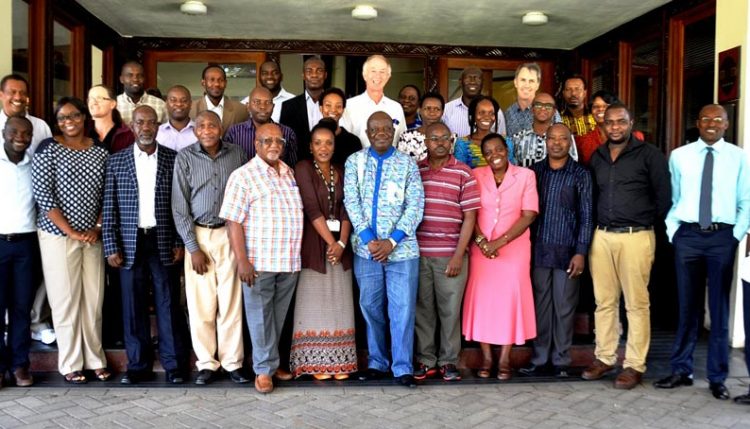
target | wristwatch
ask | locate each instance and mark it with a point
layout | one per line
(393, 242)
(342, 244)
(479, 238)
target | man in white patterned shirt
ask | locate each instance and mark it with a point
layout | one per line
(132, 79)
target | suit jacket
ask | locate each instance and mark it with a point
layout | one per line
(234, 112)
(294, 116)
(120, 217)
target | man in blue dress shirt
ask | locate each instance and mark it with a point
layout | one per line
(710, 213)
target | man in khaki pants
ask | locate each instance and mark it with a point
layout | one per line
(632, 190)
(213, 289)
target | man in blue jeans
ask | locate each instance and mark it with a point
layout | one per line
(384, 197)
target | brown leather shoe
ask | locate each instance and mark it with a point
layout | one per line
(628, 379)
(23, 377)
(596, 370)
(263, 383)
(282, 374)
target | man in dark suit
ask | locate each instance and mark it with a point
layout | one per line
(302, 112)
(140, 238)
(214, 82)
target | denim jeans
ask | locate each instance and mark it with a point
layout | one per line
(398, 281)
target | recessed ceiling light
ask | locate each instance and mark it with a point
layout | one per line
(534, 18)
(364, 12)
(193, 7)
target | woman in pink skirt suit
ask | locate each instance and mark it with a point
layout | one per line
(499, 303)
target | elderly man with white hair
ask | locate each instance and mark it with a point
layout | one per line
(376, 72)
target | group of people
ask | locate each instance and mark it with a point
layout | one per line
(451, 218)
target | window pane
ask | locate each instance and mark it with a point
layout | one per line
(21, 38)
(61, 61)
(699, 69)
(644, 95)
(240, 78)
(97, 66)
(405, 71)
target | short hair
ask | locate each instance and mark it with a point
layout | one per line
(607, 96)
(575, 76)
(614, 106)
(178, 86)
(414, 87)
(143, 107)
(278, 66)
(18, 118)
(492, 136)
(312, 58)
(324, 124)
(437, 124)
(435, 95)
(531, 67)
(73, 101)
(130, 63)
(369, 59)
(473, 110)
(208, 113)
(333, 90)
(13, 76)
(213, 66)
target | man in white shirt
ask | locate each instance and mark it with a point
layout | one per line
(456, 113)
(270, 78)
(132, 79)
(19, 249)
(178, 132)
(376, 72)
(15, 98)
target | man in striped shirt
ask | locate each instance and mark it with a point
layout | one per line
(263, 207)
(561, 236)
(450, 211)
(456, 114)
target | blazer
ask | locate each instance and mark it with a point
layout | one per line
(234, 112)
(120, 214)
(294, 116)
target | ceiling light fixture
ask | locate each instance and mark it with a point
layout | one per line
(193, 7)
(534, 18)
(364, 12)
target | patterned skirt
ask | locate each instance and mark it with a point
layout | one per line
(323, 341)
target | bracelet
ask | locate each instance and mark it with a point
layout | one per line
(393, 242)
(342, 244)
(98, 225)
(479, 238)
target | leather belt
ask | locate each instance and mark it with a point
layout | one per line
(624, 229)
(716, 226)
(17, 237)
(210, 226)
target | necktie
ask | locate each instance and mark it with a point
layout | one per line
(704, 208)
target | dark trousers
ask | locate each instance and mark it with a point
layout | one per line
(19, 277)
(700, 256)
(170, 319)
(555, 301)
(746, 316)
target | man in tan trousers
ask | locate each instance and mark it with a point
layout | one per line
(214, 292)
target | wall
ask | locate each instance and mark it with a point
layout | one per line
(6, 43)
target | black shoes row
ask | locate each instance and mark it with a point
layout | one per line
(205, 376)
(718, 390)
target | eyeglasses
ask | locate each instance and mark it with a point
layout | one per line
(99, 99)
(268, 141)
(544, 106)
(717, 120)
(258, 103)
(436, 139)
(77, 116)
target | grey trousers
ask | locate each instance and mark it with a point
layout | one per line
(439, 302)
(555, 301)
(266, 304)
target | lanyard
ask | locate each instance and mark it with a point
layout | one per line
(331, 189)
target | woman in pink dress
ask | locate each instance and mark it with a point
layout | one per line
(499, 304)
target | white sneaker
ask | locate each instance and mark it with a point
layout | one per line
(47, 336)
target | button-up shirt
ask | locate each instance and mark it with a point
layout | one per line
(268, 205)
(125, 106)
(530, 147)
(517, 119)
(19, 213)
(281, 97)
(358, 111)
(313, 111)
(243, 135)
(634, 189)
(565, 223)
(579, 125)
(171, 137)
(216, 108)
(39, 128)
(730, 192)
(145, 171)
(384, 198)
(198, 187)
(456, 117)
(449, 192)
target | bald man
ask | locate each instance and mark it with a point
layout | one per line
(260, 108)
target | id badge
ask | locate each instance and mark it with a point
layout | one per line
(334, 225)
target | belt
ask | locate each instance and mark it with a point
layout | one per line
(147, 231)
(623, 229)
(716, 226)
(17, 237)
(210, 226)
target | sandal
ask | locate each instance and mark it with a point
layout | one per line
(102, 374)
(75, 377)
(484, 371)
(504, 374)
(341, 376)
(322, 377)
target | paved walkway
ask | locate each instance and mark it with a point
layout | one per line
(573, 404)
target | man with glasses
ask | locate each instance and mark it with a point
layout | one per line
(260, 108)
(530, 144)
(709, 216)
(265, 234)
(302, 112)
(577, 116)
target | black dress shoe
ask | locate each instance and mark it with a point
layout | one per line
(237, 376)
(743, 399)
(135, 377)
(371, 374)
(561, 372)
(407, 380)
(531, 370)
(719, 390)
(674, 380)
(174, 377)
(205, 376)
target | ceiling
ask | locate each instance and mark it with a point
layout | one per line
(443, 22)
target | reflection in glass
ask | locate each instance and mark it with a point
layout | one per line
(240, 77)
(61, 61)
(698, 70)
(644, 88)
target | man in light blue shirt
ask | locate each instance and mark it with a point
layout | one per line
(384, 198)
(709, 216)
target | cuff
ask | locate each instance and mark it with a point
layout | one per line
(398, 235)
(192, 246)
(582, 250)
(367, 236)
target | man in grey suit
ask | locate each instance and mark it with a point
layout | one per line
(214, 82)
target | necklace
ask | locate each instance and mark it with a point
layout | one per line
(331, 186)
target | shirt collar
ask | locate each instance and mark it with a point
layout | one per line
(263, 165)
(384, 156)
(168, 126)
(308, 97)
(426, 162)
(138, 153)
(26, 158)
(717, 147)
(210, 105)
